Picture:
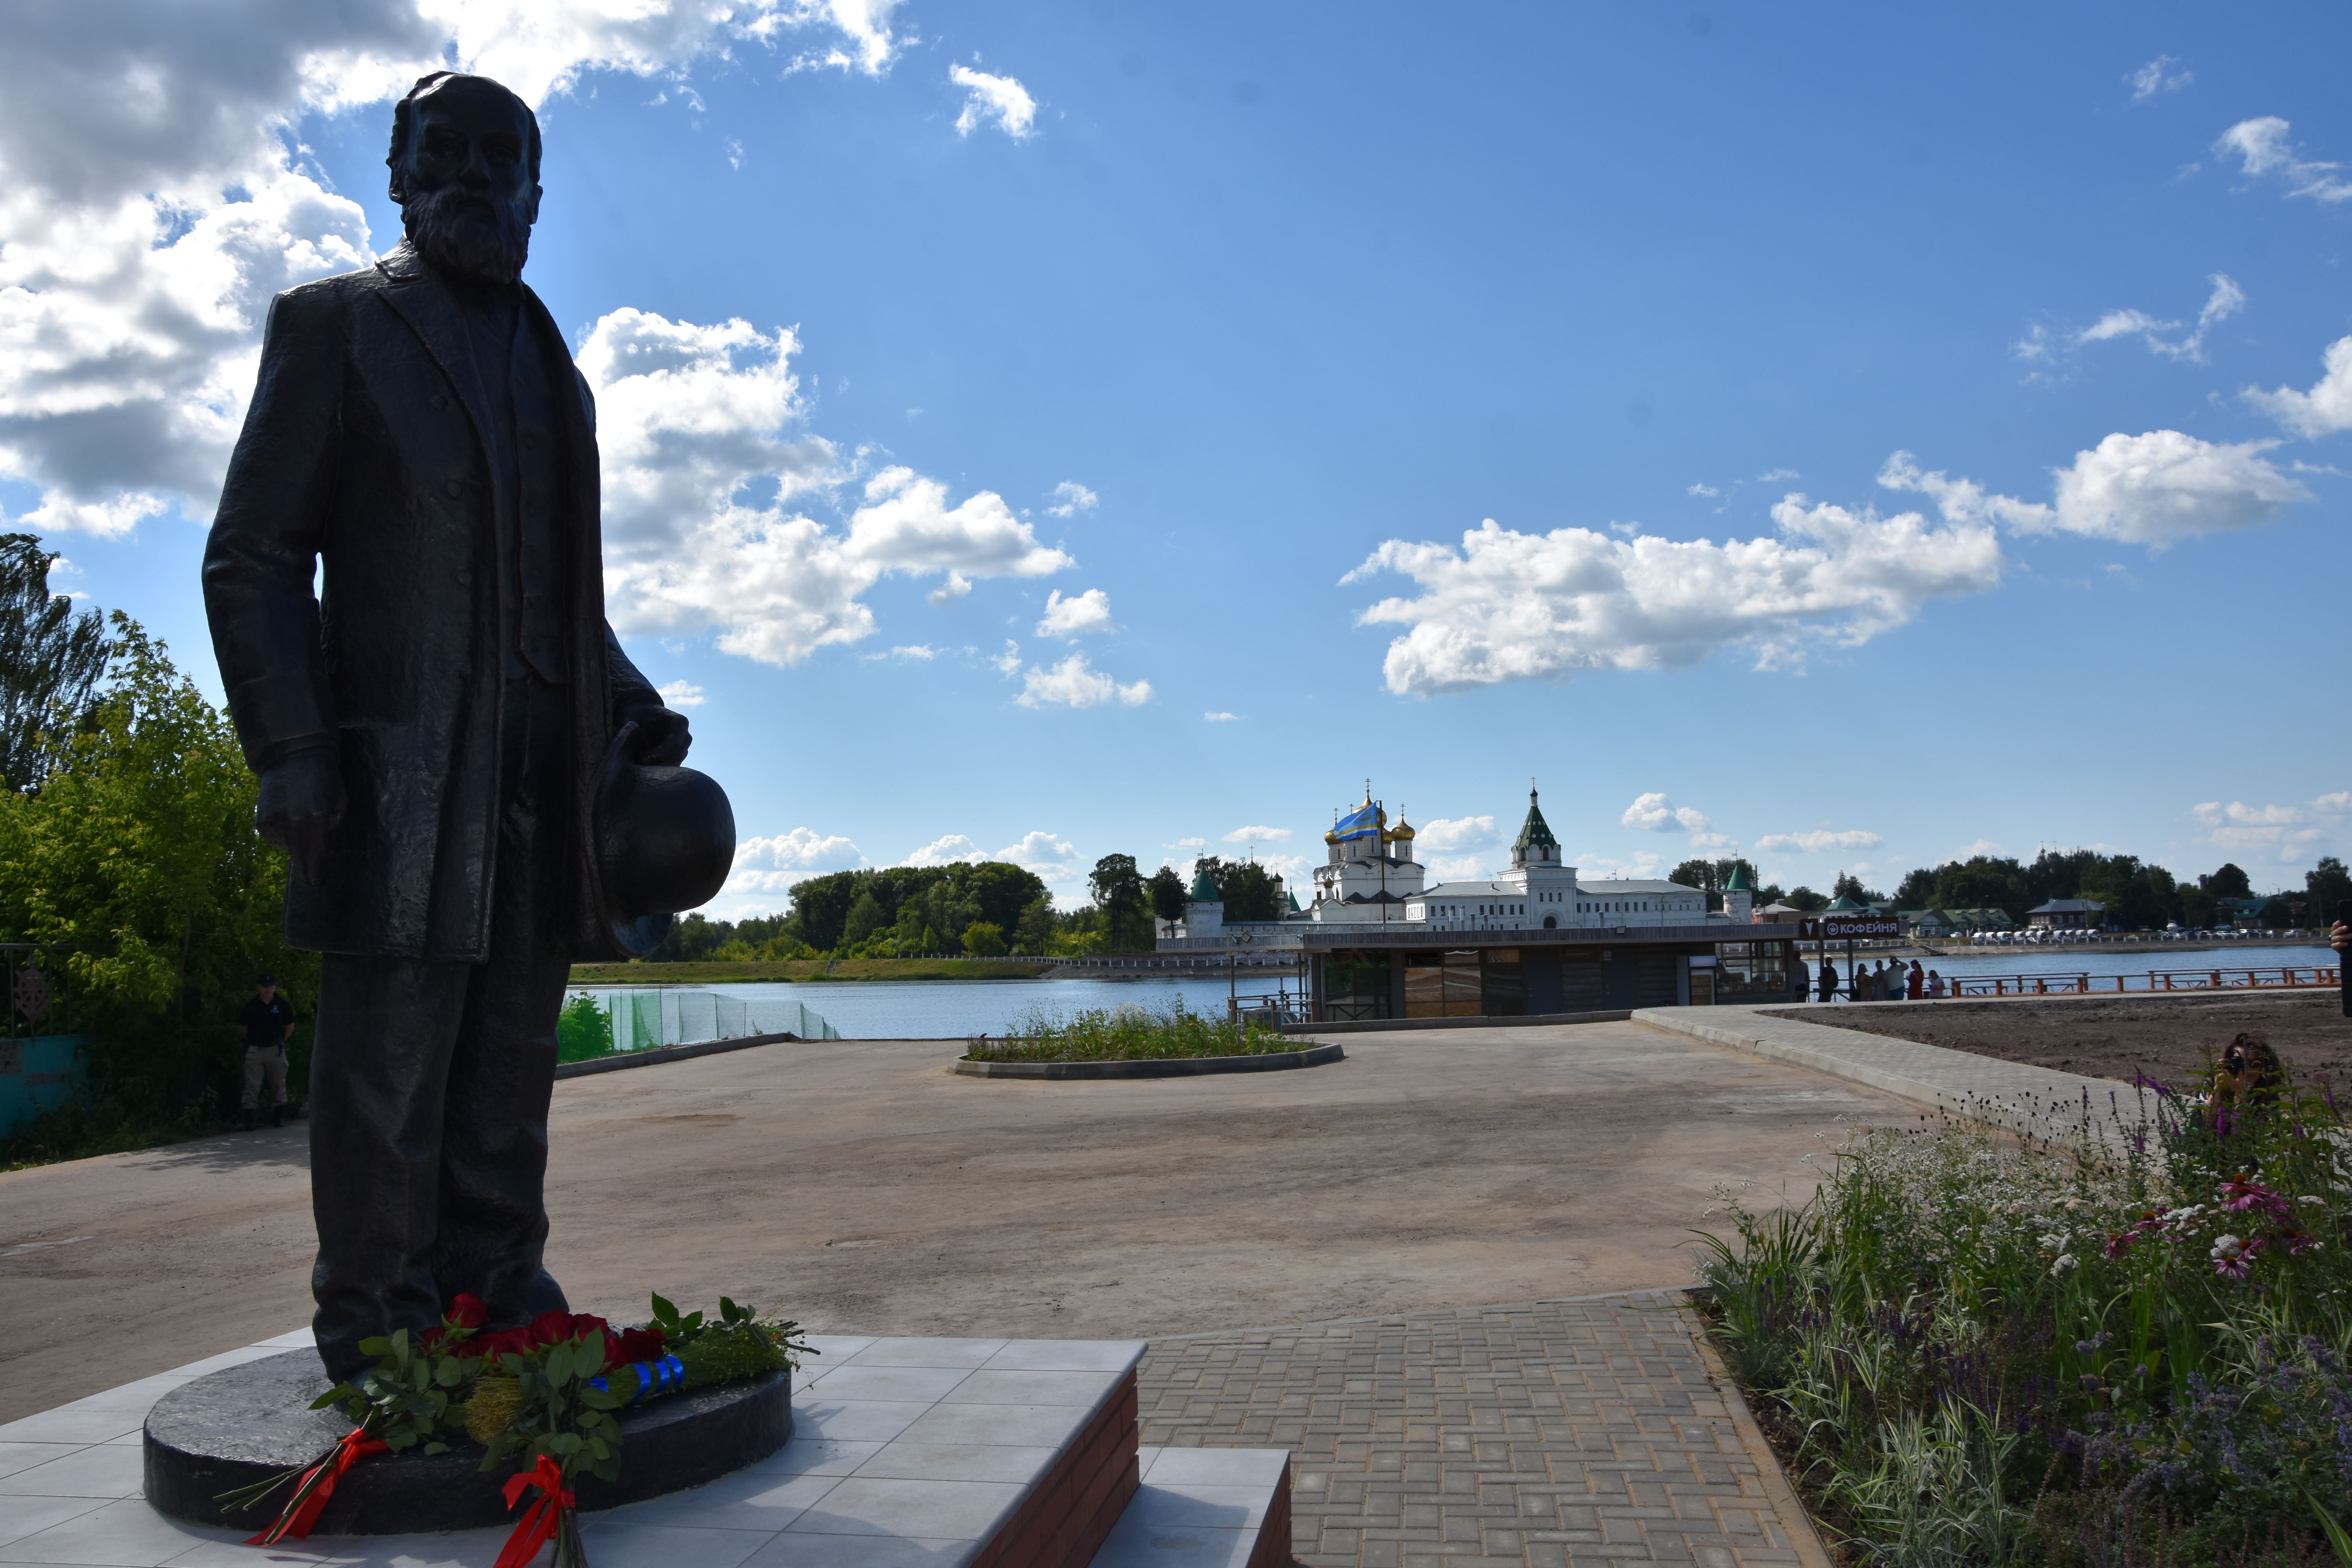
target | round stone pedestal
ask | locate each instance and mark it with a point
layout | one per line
(232, 1429)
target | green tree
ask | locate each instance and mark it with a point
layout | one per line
(2325, 888)
(984, 939)
(1917, 890)
(2197, 907)
(50, 662)
(2228, 882)
(1034, 930)
(1244, 886)
(1117, 889)
(865, 919)
(1983, 882)
(1167, 893)
(1847, 887)
(1804, 897)
(138, 862)
(1711, 876)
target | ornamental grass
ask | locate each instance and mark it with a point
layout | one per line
(2124, 1346)
(1126, 1034)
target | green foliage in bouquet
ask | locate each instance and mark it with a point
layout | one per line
(405, 1400)
(558, 1412)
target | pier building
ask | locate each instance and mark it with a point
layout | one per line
(1380, 941)
(1535, 939)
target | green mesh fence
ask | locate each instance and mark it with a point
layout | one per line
(647, 1020)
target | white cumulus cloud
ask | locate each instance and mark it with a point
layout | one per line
(682, 694)
(690, 415)
(2326, 408)
(1258, 836)
(865, 42)
(155, 200)
(1818, 839)
(1049, 855)
(1507, 606)
(993, 99)
(774, 862)
(1088, 612)
(1442, 833)
(1215, 716)
(2288, 832)
(2157, 76)
(1657, 814)
(1071, 498)
(1074, 683)
(947, 851)
(2151, 489)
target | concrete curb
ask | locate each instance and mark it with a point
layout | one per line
(1795, 1518)
(2008, 1095)
(1177, 1067)
(1386, 1026)
(622, 1059)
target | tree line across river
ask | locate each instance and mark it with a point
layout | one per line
(986, 908)
(2136, 894)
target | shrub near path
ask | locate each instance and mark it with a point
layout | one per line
(1975, 1351)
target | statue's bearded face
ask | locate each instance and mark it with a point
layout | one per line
(466, 197)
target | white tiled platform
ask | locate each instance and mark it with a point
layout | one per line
(904, 1452)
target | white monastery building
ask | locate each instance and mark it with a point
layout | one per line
(1369, 879)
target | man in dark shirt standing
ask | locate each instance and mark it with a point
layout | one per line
(269, 1023)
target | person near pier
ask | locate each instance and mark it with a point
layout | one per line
(1915, 983)
(1828, 979)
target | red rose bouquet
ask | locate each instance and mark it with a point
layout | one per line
(543, 1393)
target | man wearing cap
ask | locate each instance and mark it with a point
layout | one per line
(432, 729)
(268, 1020)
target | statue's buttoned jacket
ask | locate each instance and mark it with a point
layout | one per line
(364, 456)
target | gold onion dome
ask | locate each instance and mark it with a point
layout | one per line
(1403, 829)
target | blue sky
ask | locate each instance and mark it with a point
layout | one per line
(1054, 430)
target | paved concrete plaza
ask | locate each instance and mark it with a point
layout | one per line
(865, 1188)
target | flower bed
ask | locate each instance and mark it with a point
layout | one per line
(1128, 1034)
(1972, 1351)
(538, 1398)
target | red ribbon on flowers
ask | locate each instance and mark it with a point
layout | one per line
(316, 1485)
(541, 1519)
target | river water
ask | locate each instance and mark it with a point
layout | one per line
(955, 1009)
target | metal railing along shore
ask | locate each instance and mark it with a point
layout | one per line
(2214, 977)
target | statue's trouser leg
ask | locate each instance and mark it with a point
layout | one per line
(430, 1085)
(493, 1223)
(379, 1063)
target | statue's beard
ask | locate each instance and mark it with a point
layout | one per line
(471, 236)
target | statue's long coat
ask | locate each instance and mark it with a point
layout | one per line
(363, 449)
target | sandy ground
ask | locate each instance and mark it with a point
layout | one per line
(2164, 1036)
(861, 1186)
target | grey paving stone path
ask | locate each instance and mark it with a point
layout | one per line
(1548, 1432)
(2015, 1095)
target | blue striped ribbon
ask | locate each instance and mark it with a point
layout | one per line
(667, 1376)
